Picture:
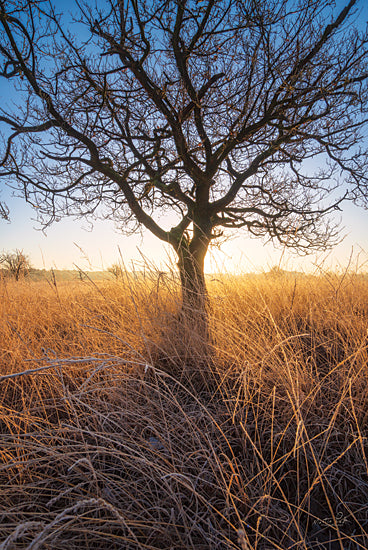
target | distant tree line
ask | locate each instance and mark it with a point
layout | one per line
(17, 265)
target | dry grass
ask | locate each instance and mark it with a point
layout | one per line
(131, 437)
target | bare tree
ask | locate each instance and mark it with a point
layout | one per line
(16, 264)
(116, 271)
(188, 117)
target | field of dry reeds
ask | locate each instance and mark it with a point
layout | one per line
(121, 429)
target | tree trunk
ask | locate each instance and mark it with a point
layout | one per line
(193, 285)
(188, 342)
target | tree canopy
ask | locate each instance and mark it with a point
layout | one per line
(224, 114)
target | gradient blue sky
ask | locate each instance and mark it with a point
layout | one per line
(72, 242)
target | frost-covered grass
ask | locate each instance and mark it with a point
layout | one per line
(132, 433)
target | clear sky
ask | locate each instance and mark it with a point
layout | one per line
(71, 242)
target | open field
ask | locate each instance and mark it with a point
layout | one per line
(139, 436)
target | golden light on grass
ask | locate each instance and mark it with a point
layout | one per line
(126, 435)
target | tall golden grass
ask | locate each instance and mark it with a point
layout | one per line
(121, 429)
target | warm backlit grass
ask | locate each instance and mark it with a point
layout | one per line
(138, 435)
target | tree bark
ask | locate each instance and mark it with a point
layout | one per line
(191, 254)
(193, 284)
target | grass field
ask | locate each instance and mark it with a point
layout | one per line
(132, 433)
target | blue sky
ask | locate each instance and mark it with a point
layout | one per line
(70, 242)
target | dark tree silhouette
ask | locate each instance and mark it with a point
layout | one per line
(188, 117)
(16, 264)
